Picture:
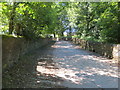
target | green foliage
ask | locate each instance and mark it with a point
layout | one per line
(31, 19)
(98, 21)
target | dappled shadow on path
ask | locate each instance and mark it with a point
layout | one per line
(61, 65)
(79, 68)
(84, 76)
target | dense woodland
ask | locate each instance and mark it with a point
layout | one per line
(97, 21)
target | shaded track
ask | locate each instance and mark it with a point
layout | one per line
(62, 65)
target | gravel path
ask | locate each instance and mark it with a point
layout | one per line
(84, 69)
(62, 65)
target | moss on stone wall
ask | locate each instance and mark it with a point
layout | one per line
(14, 47)
(105, 49)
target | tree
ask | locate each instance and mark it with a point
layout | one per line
(90, 20)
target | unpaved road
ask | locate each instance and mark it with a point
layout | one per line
(62, 65)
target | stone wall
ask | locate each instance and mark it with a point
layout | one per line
(104, 49)
(116, 51)
(14, 47)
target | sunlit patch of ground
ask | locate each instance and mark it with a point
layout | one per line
(58, 46)
(73, 75)
(62, 72)
(80, 68)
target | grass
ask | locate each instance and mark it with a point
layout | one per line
(8, 35)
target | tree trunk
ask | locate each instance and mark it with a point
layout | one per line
(87, 18)
(54, 35)
(12, 16)
(118, 22)
(62, 34)
(11, 26)
(70, 31)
